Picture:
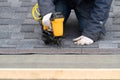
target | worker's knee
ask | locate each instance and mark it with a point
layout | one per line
(61, 6)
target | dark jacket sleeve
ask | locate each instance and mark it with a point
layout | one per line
(46, 6)
(98, 17)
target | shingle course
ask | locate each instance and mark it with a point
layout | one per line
(18, 30)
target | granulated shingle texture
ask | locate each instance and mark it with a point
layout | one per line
(19, 31)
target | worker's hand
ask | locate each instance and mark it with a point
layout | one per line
(46, 20)
(83, 40)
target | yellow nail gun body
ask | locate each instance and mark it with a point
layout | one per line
(50, 36)
(57, 24)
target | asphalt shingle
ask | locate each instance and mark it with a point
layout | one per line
(19, 31)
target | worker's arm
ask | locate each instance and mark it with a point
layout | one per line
(99, 15)
(46, 6)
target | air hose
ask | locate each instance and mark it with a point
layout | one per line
(35, 12)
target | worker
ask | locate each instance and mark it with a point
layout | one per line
(91, 14)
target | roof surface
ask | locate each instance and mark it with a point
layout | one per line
(20, 34)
